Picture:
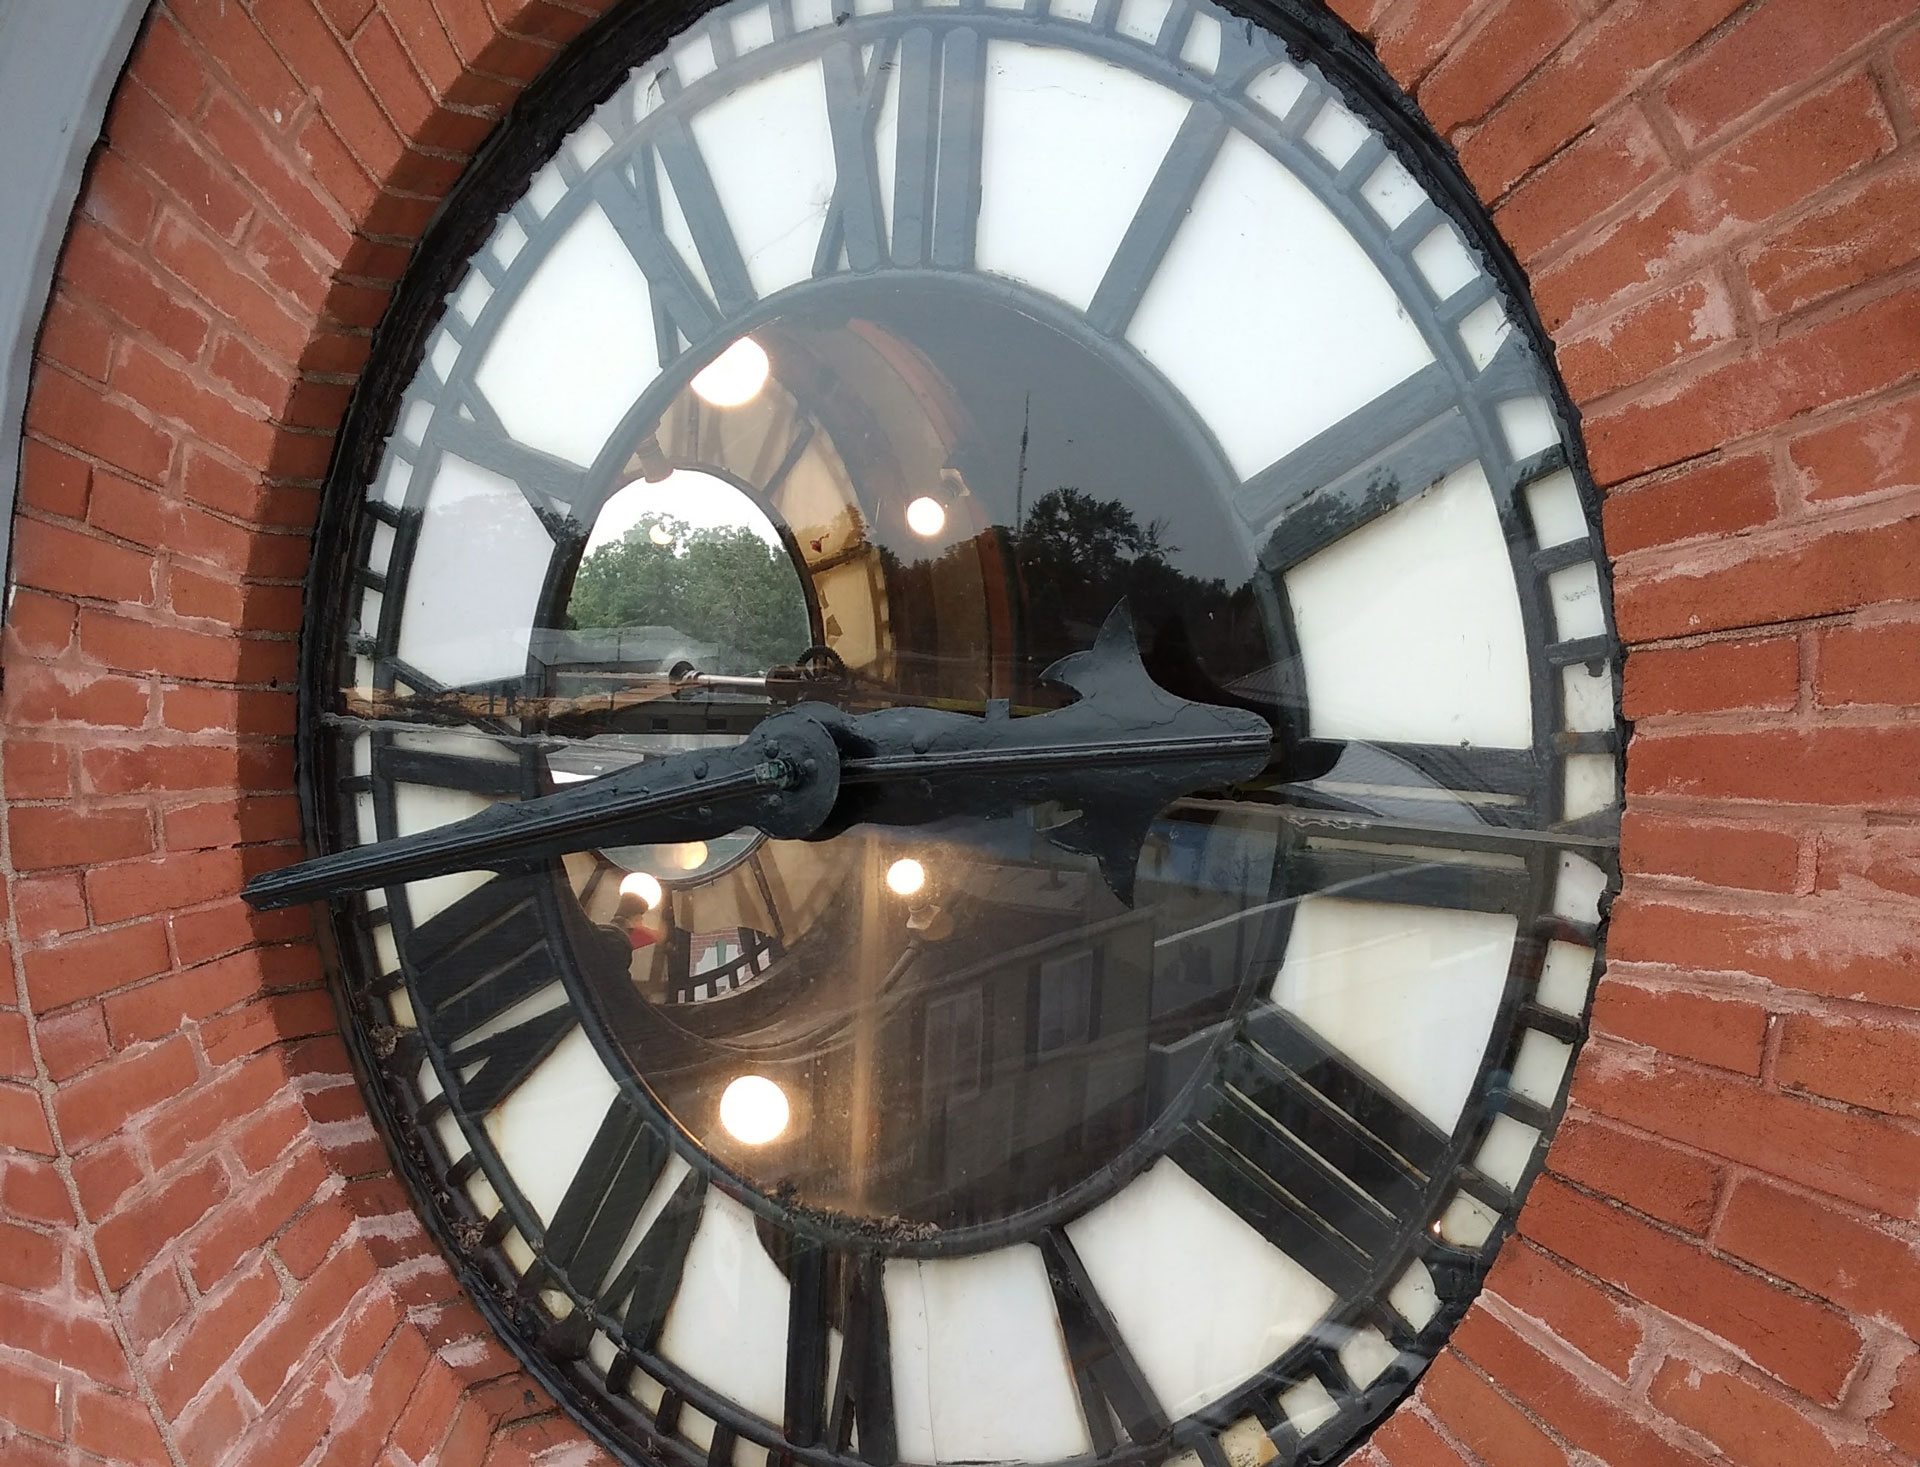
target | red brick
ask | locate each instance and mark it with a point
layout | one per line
(137, 889)
(1870, 863)
(1869, 664)
(1860, 1158)
(104, 1175)
(139, 128)
(1810, 368)
(46, 836)
(1715, 678)
(40, 626)
(1727, 1032)
(33, 1401)
(233, 822)
(168, 391)
(31, 1190)
(228, 32)
(1494, 1428)
(1866, 452)
(1838, 948)
(249, 1220)
(53, 558)
(74, 1041)
(126, 287)
(212, 932)
(1662, 331)
(1509, 40)
(1711, 497)
(69, 411)
(153, 1304)
(54, 481)
(1625, 44)
(117, 1428)
(360, 1437)
(289, 1432)
(1900, 1422)
(1745, 857)
(209, 270)
(329, 74)
(1657, 1179)
(139, 646)
(193, 1121)
(36, 771)
(221, 1323)
(77, 337)
(1844, 766)
(16, 1049)
(1851, 237)
(1757, 1426)
(120, 197)
(85, 966)
(1772, 579)
(1862, 1062)
(547, 20)
(54, 1331)
(260, 156)
(132, 1238)
(1772, 48)
(1828, 1250)
(1612, 1429)
(1804, 1344)
(128, 511)
(405, 97)
(268, 1021)
(29, 1261)
(1579, 1313)
(207, 1430)
(100, 1103)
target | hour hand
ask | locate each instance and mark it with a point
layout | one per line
(783, 779)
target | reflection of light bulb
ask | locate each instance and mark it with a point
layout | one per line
(691, 856)
(735, 376)
(754, 1110)
(643, 885)
(660, 534)
(906, 876)
(925, 517)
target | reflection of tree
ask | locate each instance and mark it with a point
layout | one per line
(1078, 555)
(723, 585)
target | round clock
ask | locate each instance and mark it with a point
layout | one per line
(961, 726)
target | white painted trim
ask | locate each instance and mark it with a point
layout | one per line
(59, 63)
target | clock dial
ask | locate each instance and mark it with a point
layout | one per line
(972, 362)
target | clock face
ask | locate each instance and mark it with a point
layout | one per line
(894, 359)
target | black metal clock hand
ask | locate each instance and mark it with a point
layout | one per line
(1119, 755)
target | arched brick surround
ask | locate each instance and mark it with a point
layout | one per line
(202, 1256)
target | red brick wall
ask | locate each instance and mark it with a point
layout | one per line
(202, 1256)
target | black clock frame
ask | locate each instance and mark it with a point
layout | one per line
(587, 73)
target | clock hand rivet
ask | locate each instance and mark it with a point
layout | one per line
(700, 770)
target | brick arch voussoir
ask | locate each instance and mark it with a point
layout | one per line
(222, 1268)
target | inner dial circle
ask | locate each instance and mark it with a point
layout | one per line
(963, 1020)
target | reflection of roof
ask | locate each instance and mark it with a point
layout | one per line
(659, 647)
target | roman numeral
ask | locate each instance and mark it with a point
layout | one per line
(1380, 456)
(936, 179)
(470, 965)
(606, 1195)
(648, 1280)
(1422, 769)
(1108, 1379)
(632, 201)
(1164, 207)
(1317, 1157)
(556, 489)
(830, 1289)
(854, 218)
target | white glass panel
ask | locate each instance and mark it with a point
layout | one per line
(427, 807)
(1577, 608)
(1201, 49)
(1467, 1222)
(547, 189)
(1528, 425)
(1142, 19)
(510, 238)
(1308, 1406)
(590, 144)
(1565, 978)
(1504, 1155)
(443, 356)
(1591, 785)
(966, 1332)
(1484, 330)
(811, 14)
(1268, 315)
(577, 347)
(1202, 1300)
(1366, 1355)
(1246, 1443)
(477, 572)
(1410, 627)
(1407, 994)
(1554, 503)
(673, 224)
(770, 151)
(1414, 1297)
(693, 59)
(1577, 891)
(472, 296)
(1588, 698)
(1071, 144)
(728, 1324)
(1336, 134)
(1540, 1066)
(414, 420)
(394, 480)
(1445, 262)
(545, 1125)
(752, 29)
(1276, 90)
(1392, 193)
(1077, 10)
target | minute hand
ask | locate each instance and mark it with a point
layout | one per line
(1119, 755)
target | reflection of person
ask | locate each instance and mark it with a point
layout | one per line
(636, 914)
